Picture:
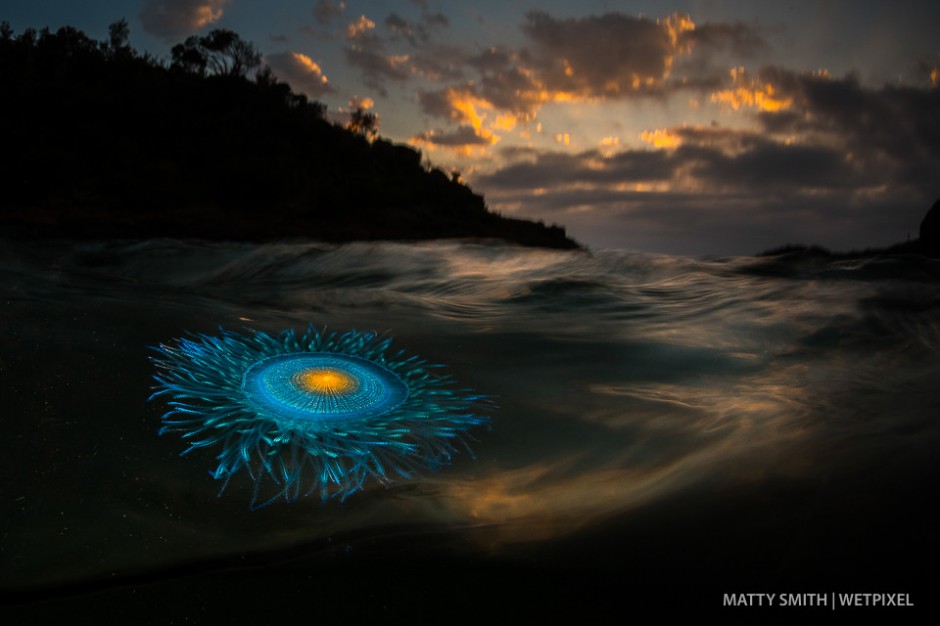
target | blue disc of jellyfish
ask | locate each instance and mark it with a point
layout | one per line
(313, 413)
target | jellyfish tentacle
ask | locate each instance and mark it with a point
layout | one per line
(312, 412)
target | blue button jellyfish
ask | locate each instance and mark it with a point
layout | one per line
(324, 412)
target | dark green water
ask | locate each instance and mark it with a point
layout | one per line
(669, 430)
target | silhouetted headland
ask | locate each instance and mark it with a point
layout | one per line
(102, 142)
(927, 244)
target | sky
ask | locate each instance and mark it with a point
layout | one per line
(700, 127)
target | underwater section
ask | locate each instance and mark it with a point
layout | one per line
(662, 422)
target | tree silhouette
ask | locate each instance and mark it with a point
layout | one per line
(221, 52)
(138, 149)
(118, 35)
(365, 123)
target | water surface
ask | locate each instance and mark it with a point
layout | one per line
(664, 423)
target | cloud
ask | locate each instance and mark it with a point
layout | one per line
(609, 56)
(718, 159)
(464, 140)
(176, 18)
(377, 66)
(605, 56)
(750, 92)
(416, 33)
(738, 38)
(891, 133)
(301, 72)
(357, 102)
(463, 106)
(842, 164)
(367, 51)
(713, 47)
(661, 138)
(587, 169)
(360, 28)
(325, 11)
(439, 62)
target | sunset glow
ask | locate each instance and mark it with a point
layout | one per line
(736, 119)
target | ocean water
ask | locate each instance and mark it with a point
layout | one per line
(668, 430)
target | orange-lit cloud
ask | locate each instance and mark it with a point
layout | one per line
(505, 122)
(174, 18)
(356, 29)
(361, 103)
(465, 141)
(468, 108)
(606, 56)
(301, 72)
(676, 26)
(661, 138)
(752, 93)
(309, 64)
(463, 106)
(589, 59)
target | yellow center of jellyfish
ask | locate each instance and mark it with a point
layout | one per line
(326, 381)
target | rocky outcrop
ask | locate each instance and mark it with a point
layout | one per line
(930, 229)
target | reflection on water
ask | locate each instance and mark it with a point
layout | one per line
(624, 380)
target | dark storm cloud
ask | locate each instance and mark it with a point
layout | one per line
(703, 222)
(512, 88)
(602, 55)
(500, 81)
(398, 24)
(367, 51)
(429, 59)
(437, 61)
(370, 49)
(176, 18)
(326, 11)
(434, 103)
(736, 161)
(771, 166)
(377, 65)
(416, 33)
(834, 135)
(555, 170)
(893, 131)
(429, 18)
(462, 136)
(741, 39)
(713, 48)
(612, 56)
(836, 163)
(493, 59)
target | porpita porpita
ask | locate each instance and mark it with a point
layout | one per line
(321, 412)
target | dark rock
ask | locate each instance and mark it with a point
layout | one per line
(930, 228)
(927, 245)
